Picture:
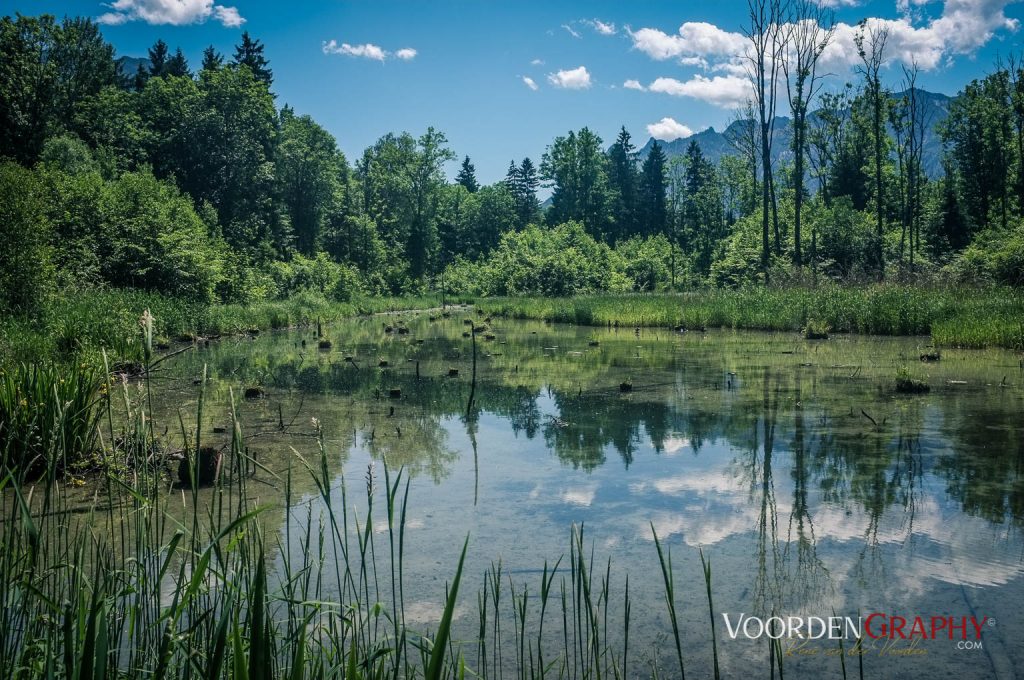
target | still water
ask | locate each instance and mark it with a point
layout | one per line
(809, 483)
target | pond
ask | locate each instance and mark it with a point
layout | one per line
(813, 488)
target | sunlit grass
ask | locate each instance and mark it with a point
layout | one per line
(955, 317)
(78, 325)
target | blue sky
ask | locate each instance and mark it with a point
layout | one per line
(461, 66)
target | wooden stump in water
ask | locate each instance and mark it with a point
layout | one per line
(254, 393)
(206, 471)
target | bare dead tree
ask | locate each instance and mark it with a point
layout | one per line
(767, 43)
(909, 126)
(809, 32)
(746, 143)
(870, 40)
(827, 138)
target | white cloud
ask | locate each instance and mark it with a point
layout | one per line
(582, 496)
(724, 91)
(573, 32)
(667, 130)
(172, 12)
(571, 79)
(836, 4)
(962, 28)
(537, 62)
(530, 83)
(112, 19)
(632, 84)
(228, 16)
(604, 28)
(367, 51)
(694, 39)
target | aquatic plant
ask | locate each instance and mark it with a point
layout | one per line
(48, 416)
(908, 384)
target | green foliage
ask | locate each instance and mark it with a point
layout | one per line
(996, 256)
(26, 273)
(45, 68)
(153, 239)
(564, 260)
(646, 262)
(846, 241)
(308, 167)
(319, 275)
(578, 168)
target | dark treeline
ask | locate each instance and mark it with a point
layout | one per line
(192, 181)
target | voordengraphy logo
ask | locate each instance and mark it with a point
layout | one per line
(875, 626)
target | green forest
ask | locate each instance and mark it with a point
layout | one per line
(193, 182)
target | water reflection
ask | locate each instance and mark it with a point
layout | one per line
(815, 487)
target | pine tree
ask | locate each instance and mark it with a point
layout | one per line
(178, 65)
(250, 53)
(703, 222)
(158, 55)
(212, 59)
(622, 178)
(141, 76)
(522, 182)
(652, 192)
(467, 176)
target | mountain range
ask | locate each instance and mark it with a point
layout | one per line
(716, 144)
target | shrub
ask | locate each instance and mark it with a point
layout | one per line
(26, 275)
(154, 239)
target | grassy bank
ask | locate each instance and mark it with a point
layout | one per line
(76, 325)
(972, 318)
